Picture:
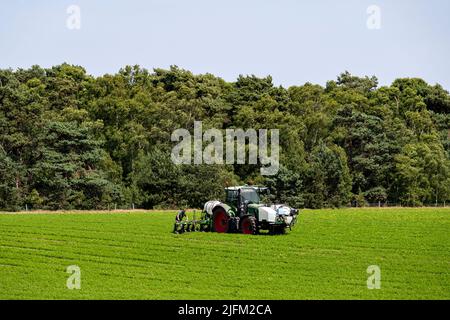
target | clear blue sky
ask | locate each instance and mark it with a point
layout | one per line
(294, 41)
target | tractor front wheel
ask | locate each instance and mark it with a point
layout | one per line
(220, 220)
(248, 225)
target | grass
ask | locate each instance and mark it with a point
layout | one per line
(135, 256)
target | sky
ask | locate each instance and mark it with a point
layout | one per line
(293, 41)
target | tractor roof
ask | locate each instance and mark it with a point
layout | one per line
(257, 188)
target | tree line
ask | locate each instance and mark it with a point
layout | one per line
(69, 140)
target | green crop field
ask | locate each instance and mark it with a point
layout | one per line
(135, 256)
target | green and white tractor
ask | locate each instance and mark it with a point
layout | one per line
(242, 212)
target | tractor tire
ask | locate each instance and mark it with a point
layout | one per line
(221, 220)
(248, 225)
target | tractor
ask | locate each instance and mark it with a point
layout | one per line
(242, 212)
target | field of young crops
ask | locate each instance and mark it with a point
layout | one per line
(135, 256)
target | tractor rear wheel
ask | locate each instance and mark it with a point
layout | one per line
(220, 220)
(248, 225)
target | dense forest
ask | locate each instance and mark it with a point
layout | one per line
(69, 140)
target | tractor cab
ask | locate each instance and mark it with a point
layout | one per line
(235, 195)
(249, 195)
(244, 196)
